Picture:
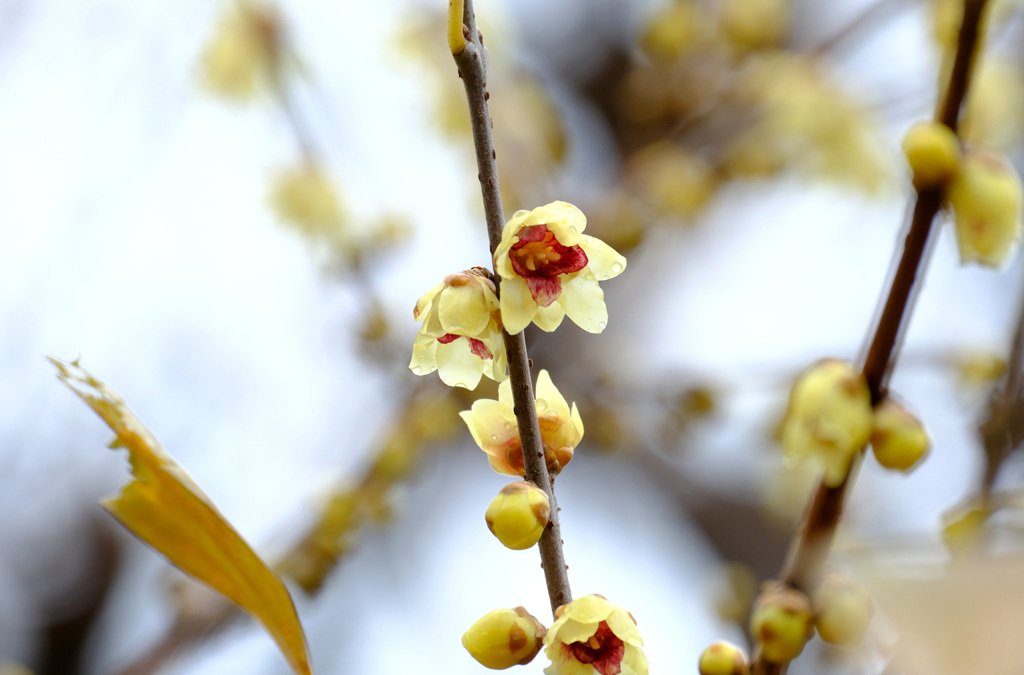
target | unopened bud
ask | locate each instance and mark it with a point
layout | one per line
(518, 515)
(898, 440)
(503, 638)
(933, 153)
(781, 623)
(844, 610)
(723, 658)
(987, 197)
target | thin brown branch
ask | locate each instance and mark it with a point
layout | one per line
(471, 61)
(872, 16)
(813, 542)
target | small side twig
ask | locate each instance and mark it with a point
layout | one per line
(810, 548)
(470, 57)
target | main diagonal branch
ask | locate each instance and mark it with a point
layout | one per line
(813, 542)
(471, 60)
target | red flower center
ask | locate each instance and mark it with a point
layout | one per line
(538, 257)
(604, 651)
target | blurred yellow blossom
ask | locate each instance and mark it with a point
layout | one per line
(305, 198)
(673, 180)
(781, 623)
(591, 636)
(503, 638)
(933, 154)
(986, 197)
(494, 428)
(829, 419)
(245, 53)
(461, 332)
(995, 105)
(755, 24)
(723, 658)
(549, 269)
(898, 440)
(672, 31)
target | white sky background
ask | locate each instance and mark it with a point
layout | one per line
(134, 233)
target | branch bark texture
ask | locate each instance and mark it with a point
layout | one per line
(471, 61)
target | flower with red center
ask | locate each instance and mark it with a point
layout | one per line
(494, 428)
(591, 636)
(549, 269)
(461, 332)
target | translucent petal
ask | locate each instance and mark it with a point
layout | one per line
(517, 305)
(422, 303)
(547, 391)
(583, 302)
(458, 366)
(549, 318)
(604, 261)
(589, 609)
(623, 627)
(576, 631)
(463, 310)
(634, 661)
(424, 355)
(489, 421)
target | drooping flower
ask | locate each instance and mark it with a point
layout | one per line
(461, 332)
(503, 638)
(549, 269)
(591, 636)
(899, 440)
(829, 418)
(494, 428)
(988, 199)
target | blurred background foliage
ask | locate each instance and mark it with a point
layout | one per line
(229, 211)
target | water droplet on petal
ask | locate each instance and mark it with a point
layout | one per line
(508, 425)
(602, 325)
(494, 437)
(541, 405)
(616, 268)
(417, 370)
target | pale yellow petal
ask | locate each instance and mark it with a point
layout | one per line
(576, 631)
(549, 318)
(517, 305)
(604, 261)
(583, 302)
(494, 423)
(577, 421)
(547, 392)
(422, 303)
(463, 310)
(458, 366)
(424, 355)
(589, 609)
(623, 627)
(634, 662)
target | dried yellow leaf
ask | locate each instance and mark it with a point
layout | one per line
(165, 509)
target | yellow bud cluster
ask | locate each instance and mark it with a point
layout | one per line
(503, 638)
(899, 440)
(782, 622)
(518, 515)
(723, 658)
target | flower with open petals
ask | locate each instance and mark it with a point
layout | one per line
(549, 269)
(591, 636)
(494, 428)
(461, 332)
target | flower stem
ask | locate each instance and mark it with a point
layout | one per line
(812, 544)
(472, 64)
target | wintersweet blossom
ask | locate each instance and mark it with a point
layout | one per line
(591, 636)
(549, 269)
(829, 418)
(494, 428)
(461, 332)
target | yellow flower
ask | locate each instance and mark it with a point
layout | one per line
(723, 658)
(592, 636)
(518, 515)
(933, 153)
(829, 419)
(899, 440)
(494, 428)
(244, 55)
(304, 198)
(503, 638)
(781, 623)
(986, 196)
(461, 332)
(549, 269)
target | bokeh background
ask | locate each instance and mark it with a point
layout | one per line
(228, 211)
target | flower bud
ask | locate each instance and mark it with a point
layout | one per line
(781, 623)
(723, 658)
(843, 609)
(518, 515)
(933, 153)
(986, 196)
(503, 638)
(829, 418)
(898, 440)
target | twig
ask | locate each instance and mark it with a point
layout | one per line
(812, 544)
(471, 59)
(872, 14)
